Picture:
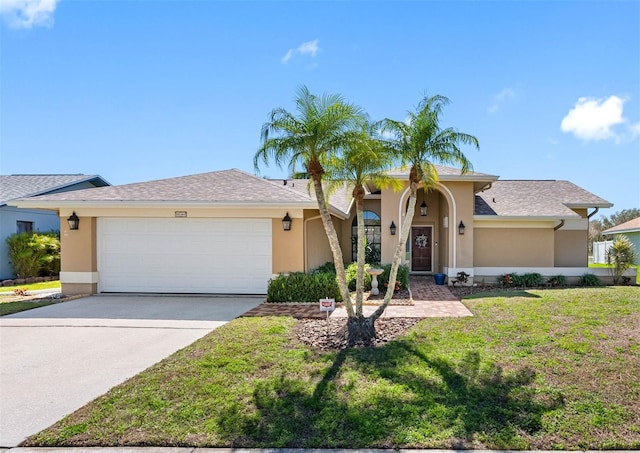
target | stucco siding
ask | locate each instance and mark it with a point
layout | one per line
(287, 246)
(517, 247)
(318, 250)
(570, 248)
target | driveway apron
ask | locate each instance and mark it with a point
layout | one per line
(55, 359)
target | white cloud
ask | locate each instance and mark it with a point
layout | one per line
(593, 119)
(306, 48)
(505, 95)
(28, 13)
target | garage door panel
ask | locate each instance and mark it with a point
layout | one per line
(184, 255)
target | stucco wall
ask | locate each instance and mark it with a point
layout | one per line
(78, 266)
(515, 247)
(287, 246)
(571, 248)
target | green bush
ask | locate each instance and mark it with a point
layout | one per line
(532, 280)
(621, 256)
(301, 287)
(589, 280)
(34, 254)
(351, 272)
(327, 267)
(557, 280)
(402, 278)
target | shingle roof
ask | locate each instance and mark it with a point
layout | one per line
(226, 186)
(340, 198)
(531, 198)
(626, 227)
(445, 173)
(13, 187)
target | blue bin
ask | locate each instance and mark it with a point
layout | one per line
(439, 278)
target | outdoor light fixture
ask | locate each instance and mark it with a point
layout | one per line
(461, 228)
(74, 221)
(392, 228)
(286, 222)
(423, 209)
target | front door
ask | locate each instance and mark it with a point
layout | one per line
(421, 248)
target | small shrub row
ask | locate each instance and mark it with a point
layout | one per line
(351, 272)
(530, 279)
(534, 279)
(402, 277)
(302, 287)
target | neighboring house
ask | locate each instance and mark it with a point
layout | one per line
(630, 229)
(16, 220)
(223, 232)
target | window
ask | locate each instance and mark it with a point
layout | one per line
(372, 232)
(24, 227)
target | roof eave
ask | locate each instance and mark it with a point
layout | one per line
(626, 230)
(480, 218)
(606, 204)
(54, 204)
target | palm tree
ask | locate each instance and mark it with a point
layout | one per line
(364, 158)
(310, 139)
(419, 142)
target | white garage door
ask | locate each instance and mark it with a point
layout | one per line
(184, 255)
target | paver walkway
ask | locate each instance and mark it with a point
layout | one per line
(429, 301)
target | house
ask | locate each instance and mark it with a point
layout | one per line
(630, 229)
(229, 231)
(17, 220)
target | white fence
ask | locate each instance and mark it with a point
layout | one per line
(600, 250)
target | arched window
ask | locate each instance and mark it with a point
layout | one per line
(373, 233)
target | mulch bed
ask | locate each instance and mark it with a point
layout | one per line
(332, 335)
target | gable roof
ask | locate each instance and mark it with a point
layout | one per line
(535, 198)
(627, 227)
(446, 174)
(340, 198)
(217, 187)
(13, 187)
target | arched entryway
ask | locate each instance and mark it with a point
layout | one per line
(431, 244)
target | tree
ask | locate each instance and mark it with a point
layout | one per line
(364, 158)
(310, 139)
(597, 226)
(622, 256)
(418, 142)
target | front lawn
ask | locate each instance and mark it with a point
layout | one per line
(541, 369)
(53, 284)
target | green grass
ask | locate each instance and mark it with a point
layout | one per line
(541, 369)
(9, 308)
(606, 266)
(32, 286)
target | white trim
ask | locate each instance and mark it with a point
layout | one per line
(78, 277)
(547, 271)
(451, 272)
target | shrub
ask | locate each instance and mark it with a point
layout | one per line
(557, 280)
(532, 279)
(402, 277)
(351, 272)
(34, 254)
(589, 280)
(507, 279)
(621, 255)
(327, 267)
(301, 287)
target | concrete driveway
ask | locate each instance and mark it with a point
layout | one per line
(55, 359)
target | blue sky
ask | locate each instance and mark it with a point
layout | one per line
(141, 90)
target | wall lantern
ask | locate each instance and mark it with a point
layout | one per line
(286, 222)
(461, 228)
(392, 228)
(423, 209)
(74, 221)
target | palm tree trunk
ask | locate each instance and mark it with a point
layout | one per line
(400, 249)
(361, 255)
(334, 243)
